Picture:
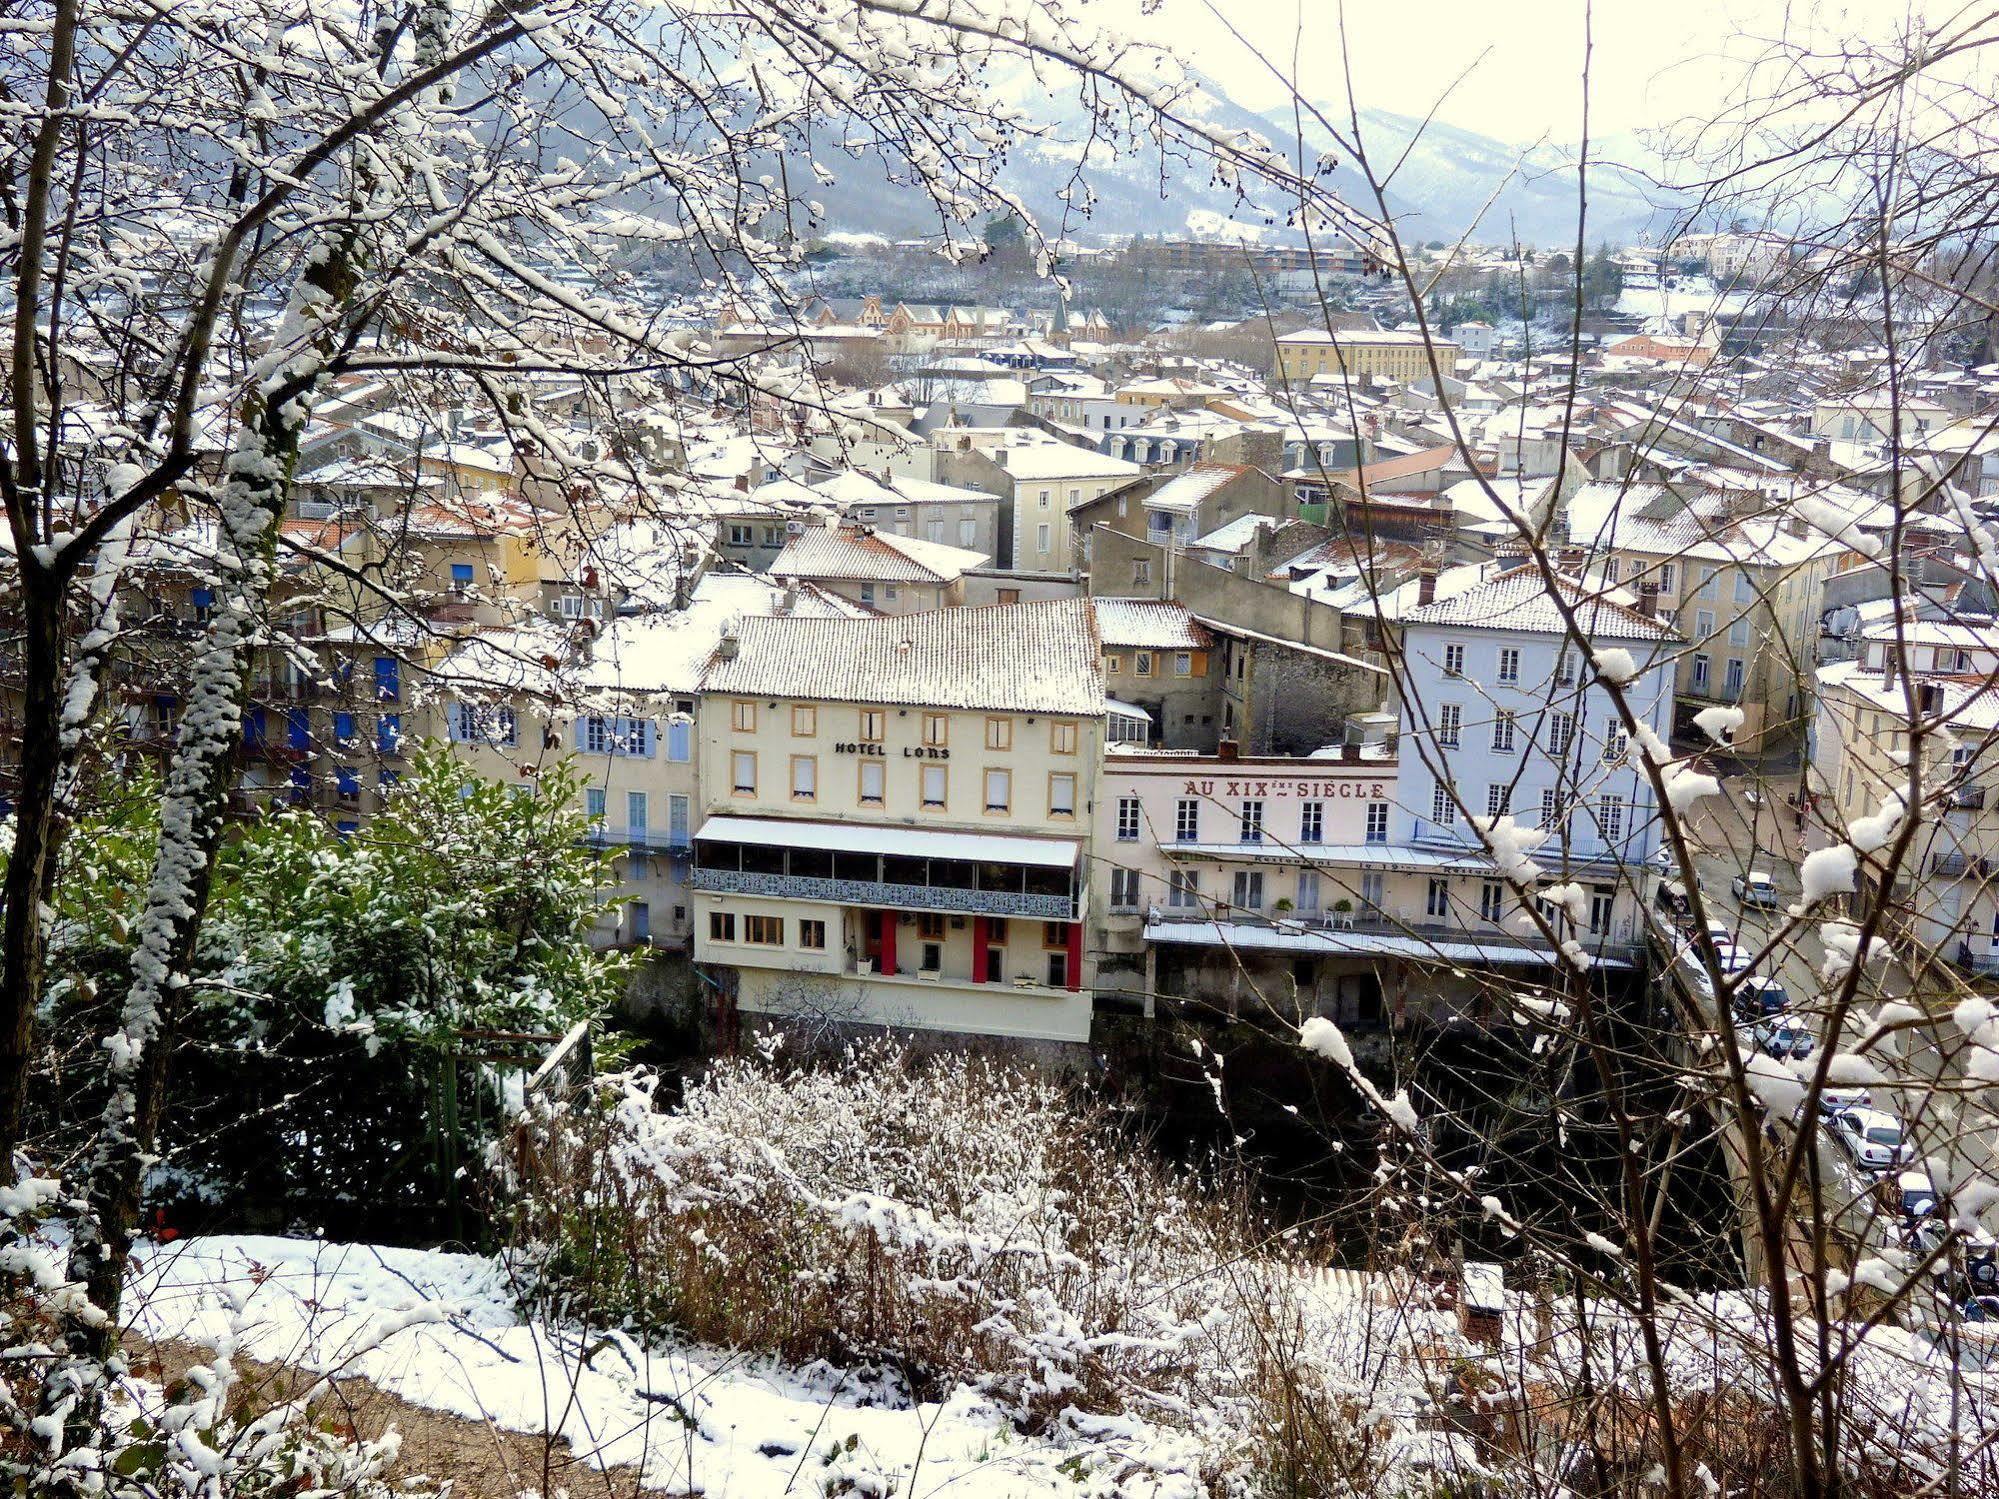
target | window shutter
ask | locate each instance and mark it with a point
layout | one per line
(679, 741)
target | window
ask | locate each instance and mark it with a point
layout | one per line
(638, 812)
(1377, 822)
(999, 790)
(804, 778)
(1183, 663)
(932, 958)
(743, 717)
(1738, 632)
(1610, 818)
(388, 680)
(874, 777)
(1561, 732)
(1491, 899)
(1042, 499)
(968, 532)
(1703, 669)
(1565, 669)
(1373, 890)
(1665, 577)
(1601, 900)
(804, 720)
(1141, 571)
(1704, 624)
(1187, 820)
(1312, 822)
(1127, 819)
(1438, 902)
(812, 934)
(1710, 582)
(679, 740)
(1548, 808)
(1114, 664)
(1454, 660)
(872, 723)
(389, 734)
(1308, 889)
(1042, 538)
(1062, 794)
(1183, 888)
(1252, 822)
(461, 576)
(933, 530)
(676, 820)
(1062, 738)
(935, 784)
(1443, 811)
(867, 593)
(1502, 731)
(1124, 889)
(1610, 570)
(1731, 683)
(1495, 800)
(742, 536)
(721, 926)
(593, 806)
(1141, 663)
(1450, 717)
(764, 931)
(1745, 589)
(1509, 665)
(343, 730)
(743, 769)
(999, 732)
(1615, 744)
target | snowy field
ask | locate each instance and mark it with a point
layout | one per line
(439, 1330)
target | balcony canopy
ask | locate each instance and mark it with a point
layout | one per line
(872, 838)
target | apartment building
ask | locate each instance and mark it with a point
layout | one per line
(1039, 481)
(1517, 723)
(896, 818)
(1313, 352)
(1744, 586)
(1947, 893)
(887, 573)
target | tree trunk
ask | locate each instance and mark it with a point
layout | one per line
(37, 842)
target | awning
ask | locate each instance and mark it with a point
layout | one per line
(914, 843)
(1117, 709)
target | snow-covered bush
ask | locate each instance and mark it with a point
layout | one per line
(952, 1218)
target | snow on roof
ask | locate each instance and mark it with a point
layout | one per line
(1237, 535)
(1964, 703)
(1061, 460)
(877, 838)
(668, 651)
(1186, 490)
(1029, 658)
(857, 552)
(1517, 600)
(1149, 625)
(1298, 938)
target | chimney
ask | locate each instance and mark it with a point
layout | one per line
(1426, 586)
(1228, 751)
(1349, 752)
(1647, 600)
(730, 643)
(743, 482)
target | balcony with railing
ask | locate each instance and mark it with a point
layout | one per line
(1371, 930)
(894, 881)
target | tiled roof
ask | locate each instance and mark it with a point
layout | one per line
(1186, 490)
(1518, 600)
(871, 556)
(1007, 658)
(1150, 624)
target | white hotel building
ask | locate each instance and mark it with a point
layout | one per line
(896, 818)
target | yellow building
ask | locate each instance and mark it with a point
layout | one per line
(1312, 352)
(897, 816)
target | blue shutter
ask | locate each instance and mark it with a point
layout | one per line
(679, 740)
(388, 733)
(343, 728)
(348, 780)
(461, 573)
(298, 730)
(388, 680)
(301, 784)
(642, 737)
(256, 728)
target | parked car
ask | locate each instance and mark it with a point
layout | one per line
(1720, 934)
(1923, 1237)
(1758, 998)
(1783, 1039)
(1910, 1193)
(1872, 1138)
(1755, 888)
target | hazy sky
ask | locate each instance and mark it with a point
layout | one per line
(1654, 60)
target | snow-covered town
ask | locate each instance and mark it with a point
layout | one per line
(875, 750)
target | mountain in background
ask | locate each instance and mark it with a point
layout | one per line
(1452, 180)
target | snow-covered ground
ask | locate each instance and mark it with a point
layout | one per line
(440, 1331)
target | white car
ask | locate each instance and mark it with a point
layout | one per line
(1755, 888)
(1872, 1138)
